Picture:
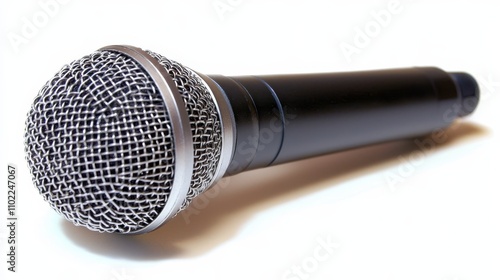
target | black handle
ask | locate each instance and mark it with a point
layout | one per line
(281, 118)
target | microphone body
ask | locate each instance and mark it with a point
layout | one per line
(124, 139)
(283, 118)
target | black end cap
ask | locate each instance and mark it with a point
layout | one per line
(469, 91)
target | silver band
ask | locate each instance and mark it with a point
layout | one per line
(182, 137)
(228, 130)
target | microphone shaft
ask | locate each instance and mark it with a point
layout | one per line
(282, 118)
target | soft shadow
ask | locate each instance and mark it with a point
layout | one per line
(217, 216)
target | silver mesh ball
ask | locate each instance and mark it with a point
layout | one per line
(99, 143)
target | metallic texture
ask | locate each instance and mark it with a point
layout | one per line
(123, 139)
(182, 140)
(228, 126)
(205, 122)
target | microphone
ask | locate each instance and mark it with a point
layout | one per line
(123, 139)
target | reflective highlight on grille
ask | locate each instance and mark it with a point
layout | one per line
(99, 142)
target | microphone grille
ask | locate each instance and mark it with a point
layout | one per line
(99, 141)
(205, 122)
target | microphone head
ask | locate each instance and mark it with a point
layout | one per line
(123, 139)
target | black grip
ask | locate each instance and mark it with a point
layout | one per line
(281, 118)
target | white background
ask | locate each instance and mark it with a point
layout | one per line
(437, 218)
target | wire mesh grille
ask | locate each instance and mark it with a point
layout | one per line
(99, 144)
(205, 125)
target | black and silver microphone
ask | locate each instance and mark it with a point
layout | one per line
(123, 139)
